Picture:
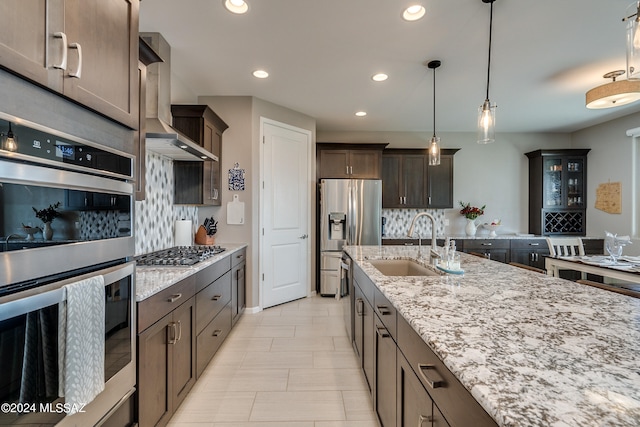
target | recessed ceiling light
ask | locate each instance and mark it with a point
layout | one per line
(380, 77)
(261, 74)
(236, 6)
(361, 113)
(413, 13)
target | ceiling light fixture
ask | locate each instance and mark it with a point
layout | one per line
(10, 142)
(633, 40)
(434, 147)
(261, 74)
(614, 94)
(413, 13)
(380, 77)
(361, 113)
(236, 6)
(487, 111)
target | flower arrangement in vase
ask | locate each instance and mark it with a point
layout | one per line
(47, 215)
(471, 213)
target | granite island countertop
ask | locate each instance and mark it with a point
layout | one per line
(152, 279)
(533, 350)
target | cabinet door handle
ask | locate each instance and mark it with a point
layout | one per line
(486, 244)
(429, 200)
(383, 310)
(382, 331)
(173, 340)
(359, 306)
(216, 297)
(216, 333)
(78, 72)
(179, 331)
(174, 298)
(347, 170)
(63, 62)
(351, 170)
(434, 379)
(423, 418)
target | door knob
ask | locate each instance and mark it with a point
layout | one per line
(304, 236)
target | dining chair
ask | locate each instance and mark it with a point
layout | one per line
(611, 288)
(528, 267)
(565, 246)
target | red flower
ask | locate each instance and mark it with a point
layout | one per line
(471, 212)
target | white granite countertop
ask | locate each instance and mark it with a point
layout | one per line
(479, 236)
(152, 279)
(533, 350)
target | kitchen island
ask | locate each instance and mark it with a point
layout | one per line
(531, 349)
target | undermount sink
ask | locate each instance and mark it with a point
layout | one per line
(401, 267)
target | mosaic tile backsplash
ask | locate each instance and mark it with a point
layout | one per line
(398, 221)
(156, 215)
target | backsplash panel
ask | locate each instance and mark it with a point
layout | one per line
(156, 215)
(398, 221)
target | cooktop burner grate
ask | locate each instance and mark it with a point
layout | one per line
(179, 255)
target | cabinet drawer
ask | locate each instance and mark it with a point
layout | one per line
(211, 337)
(454, 401)
(205, 277)
(157, 306)
(238, 257)
(475, 244)
(386, 312)
(533, 244)
(211, 300)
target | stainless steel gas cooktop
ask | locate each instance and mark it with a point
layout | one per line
(179, 255)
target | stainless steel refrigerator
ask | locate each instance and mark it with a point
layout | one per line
(350, 214)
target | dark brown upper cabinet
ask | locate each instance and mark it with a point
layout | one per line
(357, 161)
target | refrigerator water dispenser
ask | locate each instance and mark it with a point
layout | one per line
(337, 226)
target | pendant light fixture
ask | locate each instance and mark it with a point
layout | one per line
(632, 18)
(10, 143)
(434, 147)
(487, 111)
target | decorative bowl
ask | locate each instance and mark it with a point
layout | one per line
(492, 228)
(30, 231)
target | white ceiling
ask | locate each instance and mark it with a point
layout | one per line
(321, 55)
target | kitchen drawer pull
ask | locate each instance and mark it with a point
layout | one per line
(174, 298)
(78, 72)
(63, 62)
(359, 306)
(422, 419)
(382, 331)
(240, 256)
(216, 333)
(534, 244)
(383, 310)
(435, 381)
(216, 297)
(486, 244)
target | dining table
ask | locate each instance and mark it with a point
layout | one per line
(626, 268)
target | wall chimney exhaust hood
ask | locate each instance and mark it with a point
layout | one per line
(161, 137)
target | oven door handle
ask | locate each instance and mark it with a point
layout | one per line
(20, 303)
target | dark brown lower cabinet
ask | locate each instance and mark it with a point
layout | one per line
(364, 335)
(166, 368)
(415, 407)
(238, 285)
(495, 249)
(384, 399)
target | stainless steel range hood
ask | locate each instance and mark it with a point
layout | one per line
(161, 137)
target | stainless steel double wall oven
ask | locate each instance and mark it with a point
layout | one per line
(89, 186)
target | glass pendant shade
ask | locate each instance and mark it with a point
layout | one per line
(633, 42)
(434, 151)
(486, 123)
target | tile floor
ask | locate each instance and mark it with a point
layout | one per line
(287, 366)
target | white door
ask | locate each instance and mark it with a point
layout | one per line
(285, 214)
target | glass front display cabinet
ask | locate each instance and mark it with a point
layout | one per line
(557, 191)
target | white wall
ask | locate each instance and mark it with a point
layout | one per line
(495, 175)
(611, 159)
(241, 143)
